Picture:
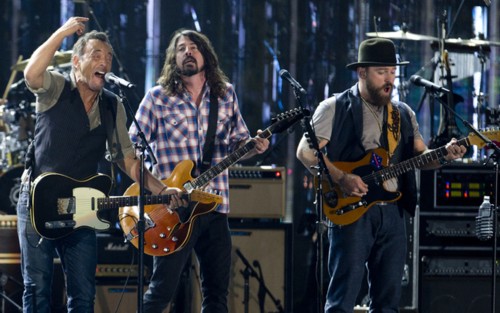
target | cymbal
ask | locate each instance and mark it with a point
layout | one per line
(472, 42)
(60, 57)
(403, 35)
(466, 45)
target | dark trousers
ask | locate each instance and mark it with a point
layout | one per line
(376, 241)
(211, 241)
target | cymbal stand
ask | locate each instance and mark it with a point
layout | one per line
(403, 84)
(481, 55)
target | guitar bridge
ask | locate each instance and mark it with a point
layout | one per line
(350, 208)
(60, 224)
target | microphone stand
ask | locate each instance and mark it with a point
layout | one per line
(263, 290)
(330, 196)
(495, 157)
(3, 281)
(142, 146)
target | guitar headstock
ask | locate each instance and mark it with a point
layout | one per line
(493, 134)
(286, 119)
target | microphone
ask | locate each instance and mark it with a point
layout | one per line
(113, 79)
(484, 220)
(295, 84)
(419, 81)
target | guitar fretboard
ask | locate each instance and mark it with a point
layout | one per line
(211, 173)
(411, 164)
(113, 203)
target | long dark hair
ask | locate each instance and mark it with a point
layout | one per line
(170, 78)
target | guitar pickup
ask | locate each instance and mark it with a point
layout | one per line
(350, 208)
(66, 206)
(60, 224)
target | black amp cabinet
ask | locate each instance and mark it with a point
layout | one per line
(455, 266)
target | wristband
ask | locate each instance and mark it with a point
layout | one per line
(163, 189)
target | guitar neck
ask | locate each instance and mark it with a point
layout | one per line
(232, 158)
(117, 202)
(412, 164)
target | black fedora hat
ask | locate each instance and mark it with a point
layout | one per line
(376, 52)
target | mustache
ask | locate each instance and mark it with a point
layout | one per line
(189, 59)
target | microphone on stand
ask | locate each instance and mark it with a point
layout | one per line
(295, 84)
(484, 220)
(113, 79)
(419, 81)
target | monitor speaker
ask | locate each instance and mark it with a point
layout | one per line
(456, 294)
(258, 245)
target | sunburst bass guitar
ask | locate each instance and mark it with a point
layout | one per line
(61, 204)
(169, 231)
(375, 171)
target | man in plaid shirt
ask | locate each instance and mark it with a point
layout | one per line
(174, 118)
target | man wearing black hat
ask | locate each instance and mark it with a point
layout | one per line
(349, 125)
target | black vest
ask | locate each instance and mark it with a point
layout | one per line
(346, 141)
(64, 142)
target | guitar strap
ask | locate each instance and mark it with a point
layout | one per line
(393, 128)
(210, 137)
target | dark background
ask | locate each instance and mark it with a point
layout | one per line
(313, 40)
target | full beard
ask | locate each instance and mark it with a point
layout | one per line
(377, 95)
(190, 69)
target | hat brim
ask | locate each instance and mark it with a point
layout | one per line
(355, 65)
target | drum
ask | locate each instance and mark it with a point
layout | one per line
(10, 187)
(12, 151)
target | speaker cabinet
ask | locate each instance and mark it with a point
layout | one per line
(267, 246)
(446, 294)
(116, 298)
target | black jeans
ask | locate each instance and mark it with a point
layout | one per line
(211, 241)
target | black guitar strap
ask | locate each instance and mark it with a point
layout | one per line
(208, 148)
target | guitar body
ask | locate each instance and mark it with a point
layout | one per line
(61, 204)
(168, 230)
(343, 209)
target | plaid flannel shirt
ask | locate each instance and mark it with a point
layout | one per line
(176, 130)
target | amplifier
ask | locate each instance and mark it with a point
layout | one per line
(120, 270)
(8, 236)
(117, 258)
(446, 231)
(257, 192)
(456, 186)
(113, 249)
(456, 266)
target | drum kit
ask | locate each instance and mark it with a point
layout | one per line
(17, 125)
